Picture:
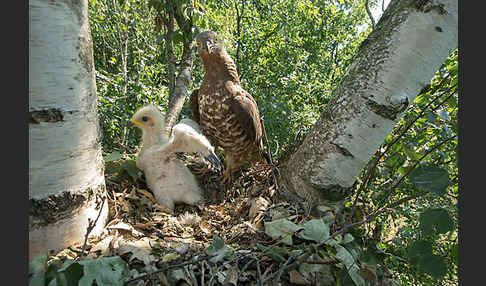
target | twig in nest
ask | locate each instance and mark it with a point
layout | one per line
(202, 271)
(198, 260)
(281, 270)
(90, 227)
(259, 273)
(269, 153)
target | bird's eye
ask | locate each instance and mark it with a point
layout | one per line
(145, 118)
(216, 39)
(198, 44)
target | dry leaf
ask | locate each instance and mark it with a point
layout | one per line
(104, 245)
(163, 209)
(140, 249)
(258, 205)
(297, 278)
(368, 272)
(205, 227)
(148, 195)
(126, 227)
(170, 257)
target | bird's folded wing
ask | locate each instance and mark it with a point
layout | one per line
(246, 111)
(194, 105)
(187, 139)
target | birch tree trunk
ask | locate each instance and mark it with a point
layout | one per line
(408, 45)
(66, 182)
(181, 83)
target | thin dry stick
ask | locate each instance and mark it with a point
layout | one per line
(259, 273)
(90, 227)
(200, 259)
(280, 271)
(269, 153)
(202, 272)
(367, 5)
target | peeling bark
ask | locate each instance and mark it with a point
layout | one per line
(66, 181)
(393, 64)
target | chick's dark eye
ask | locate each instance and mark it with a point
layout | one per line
(145, 118)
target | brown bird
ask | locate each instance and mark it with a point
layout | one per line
(227, 114)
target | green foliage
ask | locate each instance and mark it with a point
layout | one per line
(103, 271)
(435, 221)
(290, 56)
(430, 178)
(415, 172)
(316, 230)
(219, 250)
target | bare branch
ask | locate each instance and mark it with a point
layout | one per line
(367, 5)
(90, 227)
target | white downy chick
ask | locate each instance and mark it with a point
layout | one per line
(168, 177)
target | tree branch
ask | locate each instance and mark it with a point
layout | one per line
(183, 80)
(367, 5)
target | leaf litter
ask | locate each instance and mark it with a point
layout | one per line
(240, 235)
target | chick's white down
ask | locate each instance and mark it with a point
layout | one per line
(169, 178)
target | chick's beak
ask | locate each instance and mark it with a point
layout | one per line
(136, 122)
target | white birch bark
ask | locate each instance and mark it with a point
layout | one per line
(66, 182)
(407, 46)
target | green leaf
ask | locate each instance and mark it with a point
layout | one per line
(282, 228)
(411, 153)
(316, 230)
(417, 249)
(443, 114)
(114, 156)
(431, 179)
(219, 250)
(217, 244)
(275, 252)
(178, 38)
(369, 256)
(130, 166)
(433, 265)
(435, 221)
(347, 238)
(105, 271)
(347, 259)
(430, 116)
(72, 272)
(37, 268)
(455, 252)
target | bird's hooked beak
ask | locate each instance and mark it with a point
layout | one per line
(208, 46)
(214, 160)
(136, 122)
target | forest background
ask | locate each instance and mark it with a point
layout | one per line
(290, 56)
